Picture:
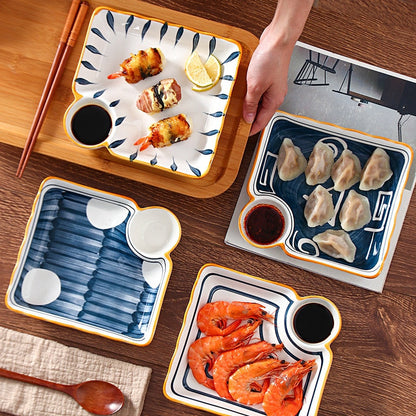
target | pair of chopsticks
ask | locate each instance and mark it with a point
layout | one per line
(73, 24)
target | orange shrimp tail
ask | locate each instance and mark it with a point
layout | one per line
(226, 330)
(144, 146)
(241, 335)
(144, 142)
(115, 75)
(209, 383)
(257, 387)
(223, 329)
(212, 319)
(292, 405)
(210, 365)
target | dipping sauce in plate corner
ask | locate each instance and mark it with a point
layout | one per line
(91, 124)
(264, 224)
(313, 322)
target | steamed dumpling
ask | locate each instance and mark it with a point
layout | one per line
(346, 171)
(319, 208)
(376, 171)
(337, 244)
(320, 164)
(355, 211)
(290, 161)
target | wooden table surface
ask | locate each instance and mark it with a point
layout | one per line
(373, 370)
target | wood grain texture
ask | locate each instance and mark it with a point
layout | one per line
(373, 369)
(52, 140)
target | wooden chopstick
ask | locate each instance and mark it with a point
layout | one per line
(73, 24)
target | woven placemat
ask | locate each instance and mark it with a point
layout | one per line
(52, 361)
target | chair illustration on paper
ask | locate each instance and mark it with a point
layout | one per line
(314, 71)
(366, 86)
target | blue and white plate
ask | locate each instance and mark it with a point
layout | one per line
(373, 240)
(112, 37)
(216, 283)
(81, 264)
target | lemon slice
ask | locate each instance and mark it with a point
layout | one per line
(213, 67)
(196, 72)
(199, 89)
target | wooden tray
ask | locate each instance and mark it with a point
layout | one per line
(26, 55)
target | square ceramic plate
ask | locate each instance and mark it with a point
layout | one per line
(217, 283)
(112, 37)
(78, 265)
(373, 240)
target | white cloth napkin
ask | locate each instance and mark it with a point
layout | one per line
(52, 361)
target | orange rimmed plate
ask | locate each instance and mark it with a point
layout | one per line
(372, 241)
(112, 37)
(217, 283)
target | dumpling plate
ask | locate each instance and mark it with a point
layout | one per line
(373, 240)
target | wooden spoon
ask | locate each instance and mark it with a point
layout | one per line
(97, 397)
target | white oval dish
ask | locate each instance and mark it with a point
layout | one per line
(153, 232)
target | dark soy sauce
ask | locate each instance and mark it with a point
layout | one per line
(264, 224)
(91, 124)
(313, 322)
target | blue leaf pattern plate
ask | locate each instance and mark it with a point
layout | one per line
(112, 37)
(106, 287)
(372, 241)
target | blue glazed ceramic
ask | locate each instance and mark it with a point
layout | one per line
(371, 241)
(81, 235)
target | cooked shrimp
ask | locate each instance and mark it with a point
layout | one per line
(249, 383)
(145, 63)
(204, 350)
(166, 132)
(277, 400)
(212, 317)
(229, 361)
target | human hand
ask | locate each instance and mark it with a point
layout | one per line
(269, 65)
(266, 81)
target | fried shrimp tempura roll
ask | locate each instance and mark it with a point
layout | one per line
(144, 64)
(166, 132)
(161, 96)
